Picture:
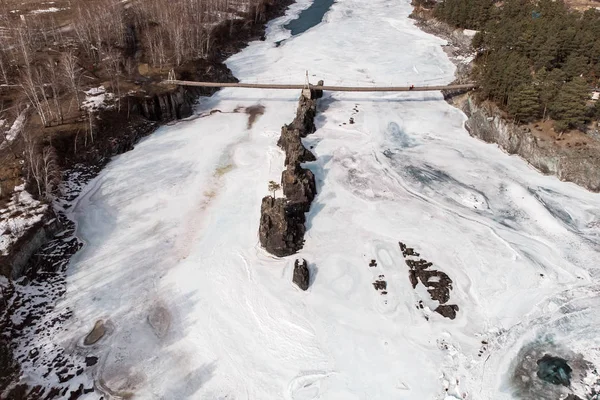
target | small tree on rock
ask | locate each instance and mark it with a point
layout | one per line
(274, 187)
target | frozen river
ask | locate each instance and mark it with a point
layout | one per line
(195, 309)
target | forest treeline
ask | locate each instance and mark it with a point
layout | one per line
(535, 59)
(106, 39)
(48, 60)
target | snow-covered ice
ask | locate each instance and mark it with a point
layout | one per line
(21, 212)
(194, 308)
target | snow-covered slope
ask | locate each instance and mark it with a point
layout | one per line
(194, 308)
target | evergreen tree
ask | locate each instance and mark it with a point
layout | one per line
(524, 103)
(575, 66)
(596, 110)
(549, 84)
(569, 106)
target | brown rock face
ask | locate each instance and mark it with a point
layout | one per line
(281, 230)
(577, 164)
(301, 274)
(305, 116)
(291, 144)
(298, 185)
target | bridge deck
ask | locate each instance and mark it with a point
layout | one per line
(325, 87)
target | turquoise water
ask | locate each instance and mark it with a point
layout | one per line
(310, 17)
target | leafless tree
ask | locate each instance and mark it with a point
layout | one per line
(30, 88)
(113, 67)
(71, 72)
(41, 167)
(32, 162)
(50, 172)
(3, 131)
(4, 65)
(91, 125)
(55, 81)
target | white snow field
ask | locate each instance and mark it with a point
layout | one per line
(195, 309)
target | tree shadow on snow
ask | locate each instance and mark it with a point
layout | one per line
(187, 386)
(313, 271)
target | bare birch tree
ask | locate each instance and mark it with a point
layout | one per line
(71, 72)
(32, 162)
(41, 165)
(55, 82)
(50, 172)
(4, 65)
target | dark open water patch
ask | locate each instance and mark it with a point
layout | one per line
(554, 370)
(310, 17)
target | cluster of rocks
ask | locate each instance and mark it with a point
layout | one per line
(438, 283)
(381, 285)
(281, 230)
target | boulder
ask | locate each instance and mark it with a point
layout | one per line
(91, 361)
(96, 334)
(301, 274)
(281, 230)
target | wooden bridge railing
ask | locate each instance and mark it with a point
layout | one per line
(465, 86)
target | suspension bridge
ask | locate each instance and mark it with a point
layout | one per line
(320, 86)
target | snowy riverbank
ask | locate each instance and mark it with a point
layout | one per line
(194, 308)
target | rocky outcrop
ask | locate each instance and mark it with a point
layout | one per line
(167, 106)
(306, 113)
(437, 283)
(573, 164)
(301, 274)
(177, 102)
(281, 230)
(298, 185)
(291, 143)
